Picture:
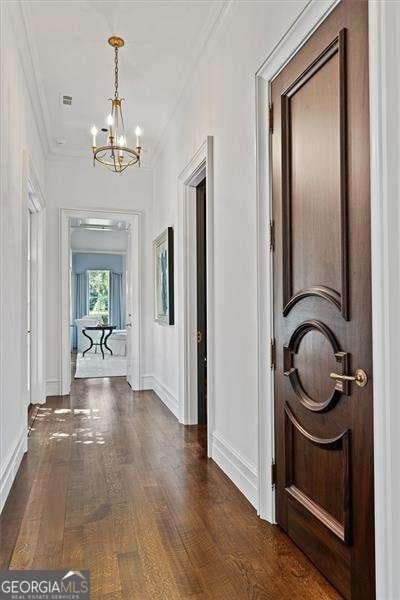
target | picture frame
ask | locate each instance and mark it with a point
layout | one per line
(163, 270)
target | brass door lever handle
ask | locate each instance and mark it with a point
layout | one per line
(360, 377)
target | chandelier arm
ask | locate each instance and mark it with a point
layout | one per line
(131, 162)
(111, 164)
(102, 150)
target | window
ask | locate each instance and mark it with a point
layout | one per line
(99, 293)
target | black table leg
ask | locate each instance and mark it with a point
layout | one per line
(101, 343)
(105, 342)
(91, 342)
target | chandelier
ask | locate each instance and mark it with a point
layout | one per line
(115, 154)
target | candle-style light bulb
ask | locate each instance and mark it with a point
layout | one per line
(138, 133)
(93, 131)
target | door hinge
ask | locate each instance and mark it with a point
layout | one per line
(272, 235)
(273, 473)
(271, 117)
(272, 354)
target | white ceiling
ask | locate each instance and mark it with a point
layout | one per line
(70, 53)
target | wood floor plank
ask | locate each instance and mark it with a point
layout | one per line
(114, 484)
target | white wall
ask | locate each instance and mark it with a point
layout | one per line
(75, 183)
(18, 136)
(221, 102)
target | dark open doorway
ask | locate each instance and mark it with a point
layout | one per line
(201, 302)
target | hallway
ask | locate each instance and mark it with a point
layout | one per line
(114, 484)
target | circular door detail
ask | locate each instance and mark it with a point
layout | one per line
(292, 373)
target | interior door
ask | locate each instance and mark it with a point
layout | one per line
(201, 302)
(322, 301)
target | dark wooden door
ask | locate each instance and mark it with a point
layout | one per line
(201, 302)
(322, 300)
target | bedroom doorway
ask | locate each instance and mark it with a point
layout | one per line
(98, 297)
(100, 325)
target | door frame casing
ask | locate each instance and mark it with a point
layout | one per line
(36, 205)
(385, 231)
(307, 22)
(384, 48)
(133, 279)
(199, 167)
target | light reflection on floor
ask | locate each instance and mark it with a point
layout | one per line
(82, 435)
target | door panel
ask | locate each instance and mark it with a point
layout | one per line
(314, 199)
(322, 300)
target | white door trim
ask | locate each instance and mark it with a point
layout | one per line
(134, 218)
(384, 49)
(36, 205)
(200, 166)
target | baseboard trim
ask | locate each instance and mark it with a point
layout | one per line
(10, 466)
(236, 467)
(146, 382)
(52, 387)
(166, 397)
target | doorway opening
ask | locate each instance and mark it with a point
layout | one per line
(34, 292)
(98, 294)
(196, 293)
(101, 312)
(201, 285)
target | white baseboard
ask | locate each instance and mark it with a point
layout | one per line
(167, 397)
(146, 382)
(236, 467)
(38, 394)
(10, 465)
(53, 387)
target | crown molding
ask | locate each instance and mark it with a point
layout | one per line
(207, 38)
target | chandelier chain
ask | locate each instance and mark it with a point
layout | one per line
(116, 72)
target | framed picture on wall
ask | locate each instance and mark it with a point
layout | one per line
(163, 265)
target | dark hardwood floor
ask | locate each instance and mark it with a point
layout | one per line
(114, 484)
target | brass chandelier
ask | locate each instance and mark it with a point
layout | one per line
(116, 154)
